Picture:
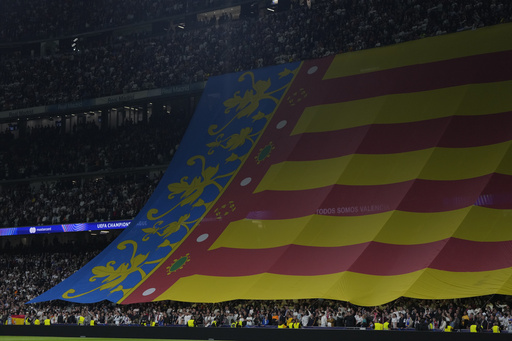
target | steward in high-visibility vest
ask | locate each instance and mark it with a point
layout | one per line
(234, 324)
(47, 322)
(91, 323)
(378, 326)
(473, 328)
(37, 322)
(386, 325)
(448, 328)
(81, 320)
(27, 321)
(297, 325)
(496, 328)
(153, 323)
(282, 325)
(215, 323)
(191, 322)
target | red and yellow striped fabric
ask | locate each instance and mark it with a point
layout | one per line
(383, 173)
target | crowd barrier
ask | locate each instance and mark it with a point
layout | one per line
(241, 334)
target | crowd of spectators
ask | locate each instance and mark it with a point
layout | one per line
(46, 151)
(189, 55)
(105, 198)
(26, 273)
(32, 19)
(328, 27)
(325, 28)
(87, 175)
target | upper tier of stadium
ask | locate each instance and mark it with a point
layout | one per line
(61, 69)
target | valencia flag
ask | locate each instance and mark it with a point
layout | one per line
(361, 177)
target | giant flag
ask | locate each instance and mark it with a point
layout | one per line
(361, 177)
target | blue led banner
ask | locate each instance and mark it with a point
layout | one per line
(97, 226)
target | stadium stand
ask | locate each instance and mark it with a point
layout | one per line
(134, 63)
(50, 176)
(40, 152)
(177, 59)
(31, 20)
(69, 202)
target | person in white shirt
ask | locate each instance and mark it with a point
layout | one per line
(394, 321)
(249, 320)
(305, 319)
(181, 319)
(208, 319)
(323, 320)
(187, 317)
(359, 319)
(442, 326)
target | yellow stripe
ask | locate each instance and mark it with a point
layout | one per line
(315, 230)
(409, 228)
(330, 170)
(393, 227)
(450, 285)
(450, 46)
(440, 164)
(505, 166)
(483, 224)
(360, 289)
(465, 100)
(465, 163)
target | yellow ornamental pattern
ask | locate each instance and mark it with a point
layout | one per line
(167, 229)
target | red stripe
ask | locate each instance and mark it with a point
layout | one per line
(484, 68)
(371, 258)
(411, 196)
(448, 132)
(473, 131)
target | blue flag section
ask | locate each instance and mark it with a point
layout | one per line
(232, 113)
